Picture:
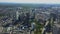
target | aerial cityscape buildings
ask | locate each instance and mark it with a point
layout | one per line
(31, 19)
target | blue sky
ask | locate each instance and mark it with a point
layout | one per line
(33, 1)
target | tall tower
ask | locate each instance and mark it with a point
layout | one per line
(17, 15)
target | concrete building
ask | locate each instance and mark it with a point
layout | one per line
(17, 15)
(56, 29)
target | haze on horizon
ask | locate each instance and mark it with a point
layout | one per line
(32, 1)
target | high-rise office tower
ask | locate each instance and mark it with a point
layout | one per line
(17, 15)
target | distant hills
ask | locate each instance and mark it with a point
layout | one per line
(27, 5)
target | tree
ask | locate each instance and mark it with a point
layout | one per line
(38, 27)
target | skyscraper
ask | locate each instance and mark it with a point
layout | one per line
(17, 15)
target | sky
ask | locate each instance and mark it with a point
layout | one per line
(33, 1)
